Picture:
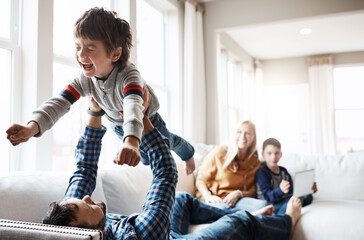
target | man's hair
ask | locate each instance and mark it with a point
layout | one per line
(103, 25)
(60, 214)
(271, 141)
(63, 214)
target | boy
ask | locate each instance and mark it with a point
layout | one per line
(103, 42)
(274, 181)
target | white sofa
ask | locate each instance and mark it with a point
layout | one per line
(336, 212)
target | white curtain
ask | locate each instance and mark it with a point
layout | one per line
(322, 128)
(222, 87)
(194, 76)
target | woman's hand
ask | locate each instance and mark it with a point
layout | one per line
(212, 199)
(232, 198)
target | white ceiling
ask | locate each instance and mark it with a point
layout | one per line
(330, 34)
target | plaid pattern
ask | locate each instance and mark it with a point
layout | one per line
(154, 221)
(87, 153)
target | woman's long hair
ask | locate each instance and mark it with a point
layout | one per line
(231, 161)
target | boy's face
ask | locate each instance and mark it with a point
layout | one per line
(93, 59)
(271, 155)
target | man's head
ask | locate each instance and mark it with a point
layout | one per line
(272, 152)
(75, 212)
(98, 24)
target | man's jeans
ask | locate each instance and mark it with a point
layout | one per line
(225, 224)
(183, 148)
(245, 203)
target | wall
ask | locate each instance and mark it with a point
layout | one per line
(285, 71)
(220, 15)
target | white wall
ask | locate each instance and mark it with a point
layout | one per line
(220, 15)
(285, 71)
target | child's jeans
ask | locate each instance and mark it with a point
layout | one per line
(280, 207)
(176, 143)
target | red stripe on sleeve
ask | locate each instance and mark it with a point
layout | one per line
(71, 90)
(133, 87)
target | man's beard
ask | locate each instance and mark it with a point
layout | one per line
(101, 224)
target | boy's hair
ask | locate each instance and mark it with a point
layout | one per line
(106, 26)
(271, 141)
(60, 214)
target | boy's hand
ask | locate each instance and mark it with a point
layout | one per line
(189, 166)
(285, 186)
(17, 134)
(129, 153)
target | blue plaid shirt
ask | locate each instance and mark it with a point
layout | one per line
(154, 221)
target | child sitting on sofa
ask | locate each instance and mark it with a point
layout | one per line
(274, 181)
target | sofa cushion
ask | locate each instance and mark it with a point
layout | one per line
(126, 187)
(327, 220)
(337, 177)
(25, 196)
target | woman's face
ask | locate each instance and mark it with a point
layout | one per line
(244, 136)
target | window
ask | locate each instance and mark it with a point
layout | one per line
(236, 93)
(151, 51)
(8, 56)
(349, 108)
(5, 18)
(5, 98)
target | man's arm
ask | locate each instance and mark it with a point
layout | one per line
(83, 180)
(154, 221)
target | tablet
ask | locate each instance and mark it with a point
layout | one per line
(303, 182)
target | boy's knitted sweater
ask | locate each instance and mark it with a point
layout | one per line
(121, 91)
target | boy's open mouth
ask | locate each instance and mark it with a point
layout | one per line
(87, 67)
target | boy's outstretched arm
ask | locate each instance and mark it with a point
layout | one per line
(129, 153)
(17, 134)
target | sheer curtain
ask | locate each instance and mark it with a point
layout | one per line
(194, 75)
(322, 128)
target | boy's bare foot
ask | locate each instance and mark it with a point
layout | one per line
(294, 210)
(267, 210)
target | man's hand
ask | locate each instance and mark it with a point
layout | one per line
(285, 186)
(129, 153)
(314, 187)
(189, 166)
(93, 105)
(17, 134)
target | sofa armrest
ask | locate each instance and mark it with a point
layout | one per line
(10, 229)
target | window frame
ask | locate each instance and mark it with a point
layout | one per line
(12, 44)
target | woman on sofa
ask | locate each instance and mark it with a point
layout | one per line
(226, 178)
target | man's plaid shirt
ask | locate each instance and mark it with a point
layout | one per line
(154, 221)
